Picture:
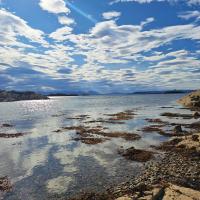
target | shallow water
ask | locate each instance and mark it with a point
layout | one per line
(43, 164)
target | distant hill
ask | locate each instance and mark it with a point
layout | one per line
(164, 92)
(6, 96)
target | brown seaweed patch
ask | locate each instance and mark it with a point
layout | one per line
(171, 115)
(187, 145)
(157, 129)
(79, 117)
(126, 115)
(138, 155)
(11, 135)
(108, 121)
(124, 135)
(5, 184)
(90, 140)
(157, 120)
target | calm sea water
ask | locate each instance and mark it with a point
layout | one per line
(43, 164)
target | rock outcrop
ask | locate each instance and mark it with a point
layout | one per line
(6, 96)
(191, 100)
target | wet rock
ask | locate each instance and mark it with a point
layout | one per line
(5, 184)
(178, 129)
(136, 154)
(196, 115)
(7, 125)
(126, 115)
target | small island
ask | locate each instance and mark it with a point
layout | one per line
(9, 96)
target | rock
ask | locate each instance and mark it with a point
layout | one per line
(7, 125)
(124, 198)
(180, 193)
(178, 129)
(195, 138)
(5, 184)
(191, 100)
(196, 115)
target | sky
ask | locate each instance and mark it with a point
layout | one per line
(99, 46)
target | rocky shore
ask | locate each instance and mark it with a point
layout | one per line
(7, 96)
(175, 175)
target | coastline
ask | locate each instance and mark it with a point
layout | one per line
(177, 157)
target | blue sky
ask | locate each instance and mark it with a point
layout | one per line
(98, 46)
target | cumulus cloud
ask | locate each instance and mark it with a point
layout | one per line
(64, 20)
(54, 6)
(61, 34)
(13, 27)
(111, 15)
(109, 55)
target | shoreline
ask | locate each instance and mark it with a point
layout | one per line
(175, 166)
(178, 168)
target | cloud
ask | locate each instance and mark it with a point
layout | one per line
(13, 27)
(61, 33)
(64, 20)
(109, 57)
(111, 15)
(147, 21)
(54, 6)
(190, 15)
(188, 2)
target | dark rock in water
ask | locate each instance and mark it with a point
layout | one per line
(138, 155)
(178, 129)
(7, 96)
(196, 115)
(7, 125)
(5, 184)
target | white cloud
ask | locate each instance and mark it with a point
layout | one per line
(147, 21)
(190, 15)
(111, 15)
(54, 6)
(61, 34)
(64, 20)
(189, 2)
(12, 27)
